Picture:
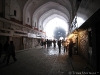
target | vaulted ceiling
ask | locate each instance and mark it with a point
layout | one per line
(32, 5)
(40, 10)
(44, 10)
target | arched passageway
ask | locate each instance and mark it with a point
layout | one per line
(55, 25)
(47, 9)
(24, 22)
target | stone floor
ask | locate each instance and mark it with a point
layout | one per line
(43, 61)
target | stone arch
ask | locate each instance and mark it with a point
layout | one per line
(25, 10)
(51, 5)
(28, 18)
(14, 6)
(53, 17)
(49, 15)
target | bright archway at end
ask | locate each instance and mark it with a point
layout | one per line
(53, 25)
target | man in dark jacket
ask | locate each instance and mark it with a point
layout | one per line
(11, 52)
(59, 45)
(70, 47)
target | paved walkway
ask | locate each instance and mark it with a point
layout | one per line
(43, 61)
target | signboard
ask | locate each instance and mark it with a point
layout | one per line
(31, 35)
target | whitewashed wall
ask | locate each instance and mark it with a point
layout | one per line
(28, 16)
(16, 6)
(7, 9)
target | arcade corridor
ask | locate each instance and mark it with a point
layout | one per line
(43, 61)
(28, 24)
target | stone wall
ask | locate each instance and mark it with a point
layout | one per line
(21, 43)
(17, 43)
(17, 33)
(83, 44)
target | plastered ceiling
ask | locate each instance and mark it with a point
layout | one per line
(40, 10)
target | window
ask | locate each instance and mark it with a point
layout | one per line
(14, 12)
(27, 19)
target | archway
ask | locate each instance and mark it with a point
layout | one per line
(56, 28)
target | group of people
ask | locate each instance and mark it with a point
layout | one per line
(68, 46)
(9, 50)
(45, 43)
(62, 43)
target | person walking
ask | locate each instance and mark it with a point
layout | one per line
(5, 49)
(70, 47)
(44, 43)
(11, 52)
(47, 42)
(65, 46)
(54, 43)
(59, 45)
